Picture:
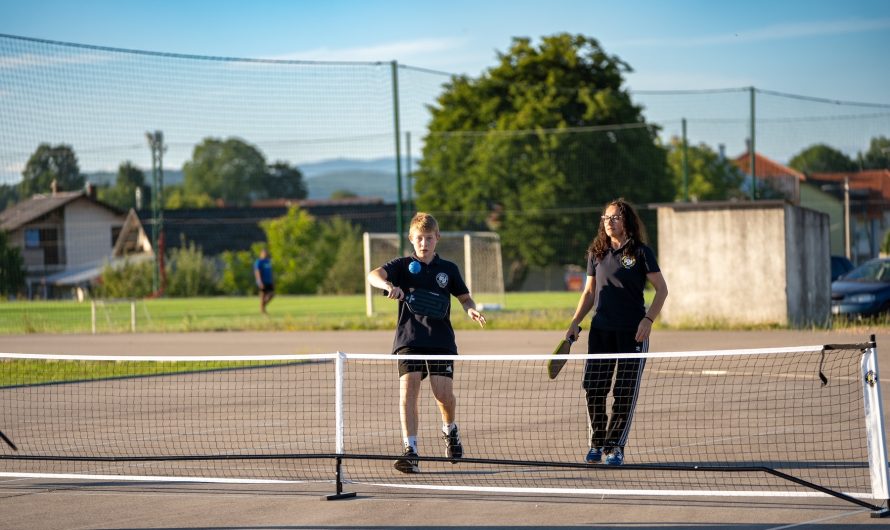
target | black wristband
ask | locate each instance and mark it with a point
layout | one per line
(649, 319)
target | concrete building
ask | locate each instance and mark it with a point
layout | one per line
(745, 263)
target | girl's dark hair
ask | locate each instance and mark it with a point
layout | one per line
(633, 227)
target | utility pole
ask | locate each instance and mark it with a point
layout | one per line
(156, 144)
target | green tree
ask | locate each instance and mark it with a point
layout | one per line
(878, 154)
(343, 194)
(710, 177)
(821, 158)
(224, 169)
(281, 181)
(50, 163)
(9, 195)
(175, 197)
(345, 271)
(526, 146)
(12, 267)
(291, 240)
(123, 193)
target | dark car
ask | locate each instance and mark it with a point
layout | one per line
(864, 291)
(840, 265)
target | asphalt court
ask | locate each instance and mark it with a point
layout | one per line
(72, 503)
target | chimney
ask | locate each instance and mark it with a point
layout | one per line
(91, 190)
(721, 148)
(54, 187)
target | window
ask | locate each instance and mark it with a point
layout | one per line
(32, 238)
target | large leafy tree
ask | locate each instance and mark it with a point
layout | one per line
(224, 169)
(281, 181)
(50, 163)
(710, 177)
(878, 154)
(123, 193)
(821, 158)
(527, 149)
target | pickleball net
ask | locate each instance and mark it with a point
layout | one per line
(795, 422)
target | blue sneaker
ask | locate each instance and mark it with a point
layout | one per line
(594, 456)
(615, 457)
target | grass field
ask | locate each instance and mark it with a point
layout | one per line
(538, 310)
(544, 310)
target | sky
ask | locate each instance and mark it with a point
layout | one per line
(838, 49)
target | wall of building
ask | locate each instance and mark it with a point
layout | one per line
(730, 263)
(88, 232)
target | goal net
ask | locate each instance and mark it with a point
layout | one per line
(478, 254)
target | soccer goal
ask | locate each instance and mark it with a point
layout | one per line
(477, 253)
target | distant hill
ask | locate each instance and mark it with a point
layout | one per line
(368, 178)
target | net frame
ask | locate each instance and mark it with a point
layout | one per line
(484, 277)
(867, 369)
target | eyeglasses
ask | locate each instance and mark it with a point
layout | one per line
(613, 218)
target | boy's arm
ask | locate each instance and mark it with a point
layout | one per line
(379, 278)
(470, 307)
(256, 274)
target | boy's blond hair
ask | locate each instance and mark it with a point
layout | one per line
(423, 222)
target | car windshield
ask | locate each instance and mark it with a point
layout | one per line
(872, 271)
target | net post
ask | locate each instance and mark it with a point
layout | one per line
(93, 316)
(874, 428)
(369, 291)
(339, 365)
(468, 261)
(133, 316)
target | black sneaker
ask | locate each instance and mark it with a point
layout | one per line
(453, 448)
(408, 462)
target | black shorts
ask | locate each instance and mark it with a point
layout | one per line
(268, 288)
(445, 368)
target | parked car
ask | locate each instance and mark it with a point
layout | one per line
(864, 291)
(840, 265)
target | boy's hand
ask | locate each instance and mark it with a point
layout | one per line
(477, 316)
(394, 293)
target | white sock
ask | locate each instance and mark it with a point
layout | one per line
(411, 441)
(446, 427)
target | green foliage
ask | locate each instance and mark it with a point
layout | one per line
(175, 197)
(530, 186)
(710, 178)
(9, 195)
(885, 244)
(281, 181)
(878, 154)
(127, 280)
(224, 169)
(237, 274)
(291, 241)
(342, 194)
(123, 193)
(314, 257)
(821, 158)
(12, 267)
(50, 163)
(345, 273)
(189, 273)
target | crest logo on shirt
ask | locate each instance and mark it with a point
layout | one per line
(628, 262)
(442, 279)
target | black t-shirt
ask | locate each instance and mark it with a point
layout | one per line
(620, 281)
(419, 332)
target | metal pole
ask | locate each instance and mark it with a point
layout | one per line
(685, 164)
(395, 113)
(155, 279)
(751, 155)
(847, 218)
(408, 184)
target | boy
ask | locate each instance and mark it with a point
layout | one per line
(425, 335)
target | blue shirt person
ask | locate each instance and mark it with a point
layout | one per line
(262, 271)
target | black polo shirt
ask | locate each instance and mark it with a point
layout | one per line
(620, 282)
(419, 332)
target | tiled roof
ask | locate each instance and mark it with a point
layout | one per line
(39, 205)
(765, 167)
(876, 181)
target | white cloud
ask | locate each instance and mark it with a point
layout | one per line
(416, 51)
(32, 60)
(768, 33)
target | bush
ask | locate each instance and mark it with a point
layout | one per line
(189, 273)
(129, 280)
(237, 274)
